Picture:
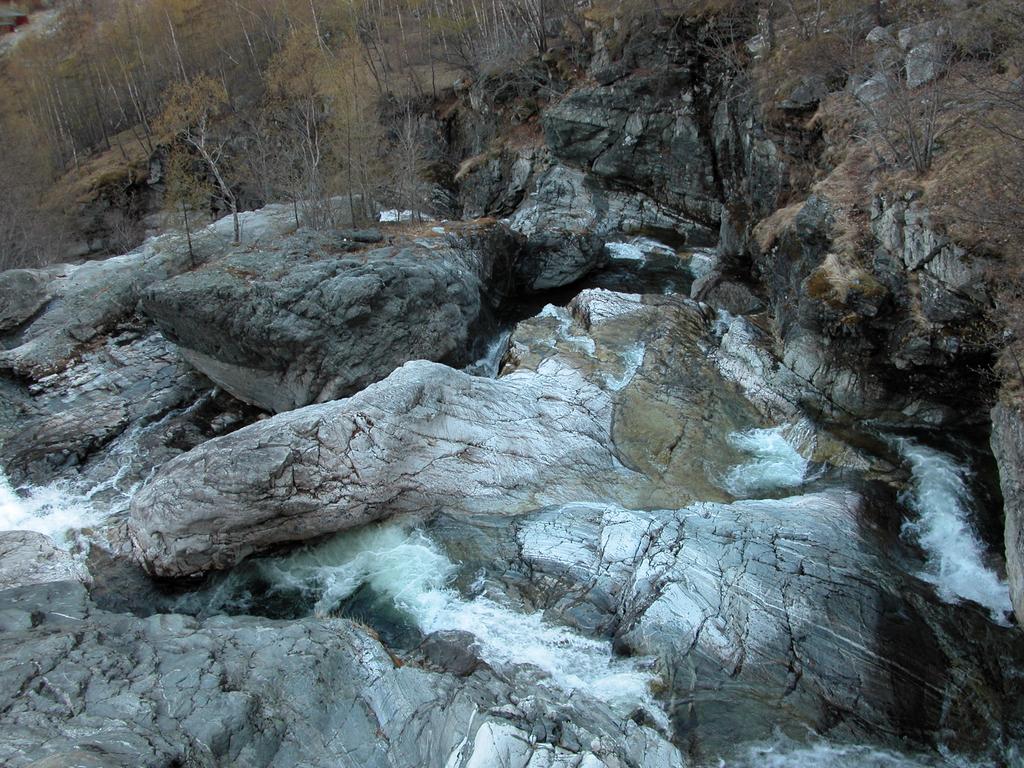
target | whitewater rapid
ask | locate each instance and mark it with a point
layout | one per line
(774, 463)
(409, 569)
(489, 364)
(955, 555)
(55, 510)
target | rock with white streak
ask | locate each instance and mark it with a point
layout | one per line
(769, 614)
(28, 558)
(426, 438)
(615, 397)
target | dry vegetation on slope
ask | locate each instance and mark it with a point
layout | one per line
(321, 101)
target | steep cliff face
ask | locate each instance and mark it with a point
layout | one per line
(655, 137)
(658, 137)
(1008, 447)
(895, 333)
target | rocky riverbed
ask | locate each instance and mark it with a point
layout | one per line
(601, 475)
(615, 540)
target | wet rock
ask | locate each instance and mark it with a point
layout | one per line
(169, 690)
(768, 615)
(554, 259)
(131, 377)
(1008, 448)
(616, 397)
(452, 651)
(29, 558)
(673, 408)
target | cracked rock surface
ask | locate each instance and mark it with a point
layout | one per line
(28, 558)
(765, 614)
(426, 438)
(84, 687)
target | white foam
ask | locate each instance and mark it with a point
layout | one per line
(775, 465)
(954, 553)
(490, 364)
(821, 755)
(55, 510)
(411, 569)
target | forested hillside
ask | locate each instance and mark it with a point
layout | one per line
(310, 100)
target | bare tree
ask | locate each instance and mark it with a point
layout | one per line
(909, 118)
(409, 164)
(191, 112)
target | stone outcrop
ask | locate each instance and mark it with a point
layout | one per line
(659, 140)
(23, 292)
(83, 302)
(289, 325)
(1008, 447)
(564, 199)
(301, 321)
(615, 397)
(130, 378)
(877, 340)
(90, 688)
(673, 409)
(426, 437)
(28, 558)
(85, 382)
(771, 615)
(619, 134)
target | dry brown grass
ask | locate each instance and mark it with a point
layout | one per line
(837, 277)
(850, 187)
(411, 230)
(127, 162)
(471, 164)
(768, 231)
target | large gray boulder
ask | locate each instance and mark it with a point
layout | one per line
(616, 397)
(82, 302)
(84, 687)
(564, 199)
(425, 438)
(295, 322)
(1008, 448)
(23, 292)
